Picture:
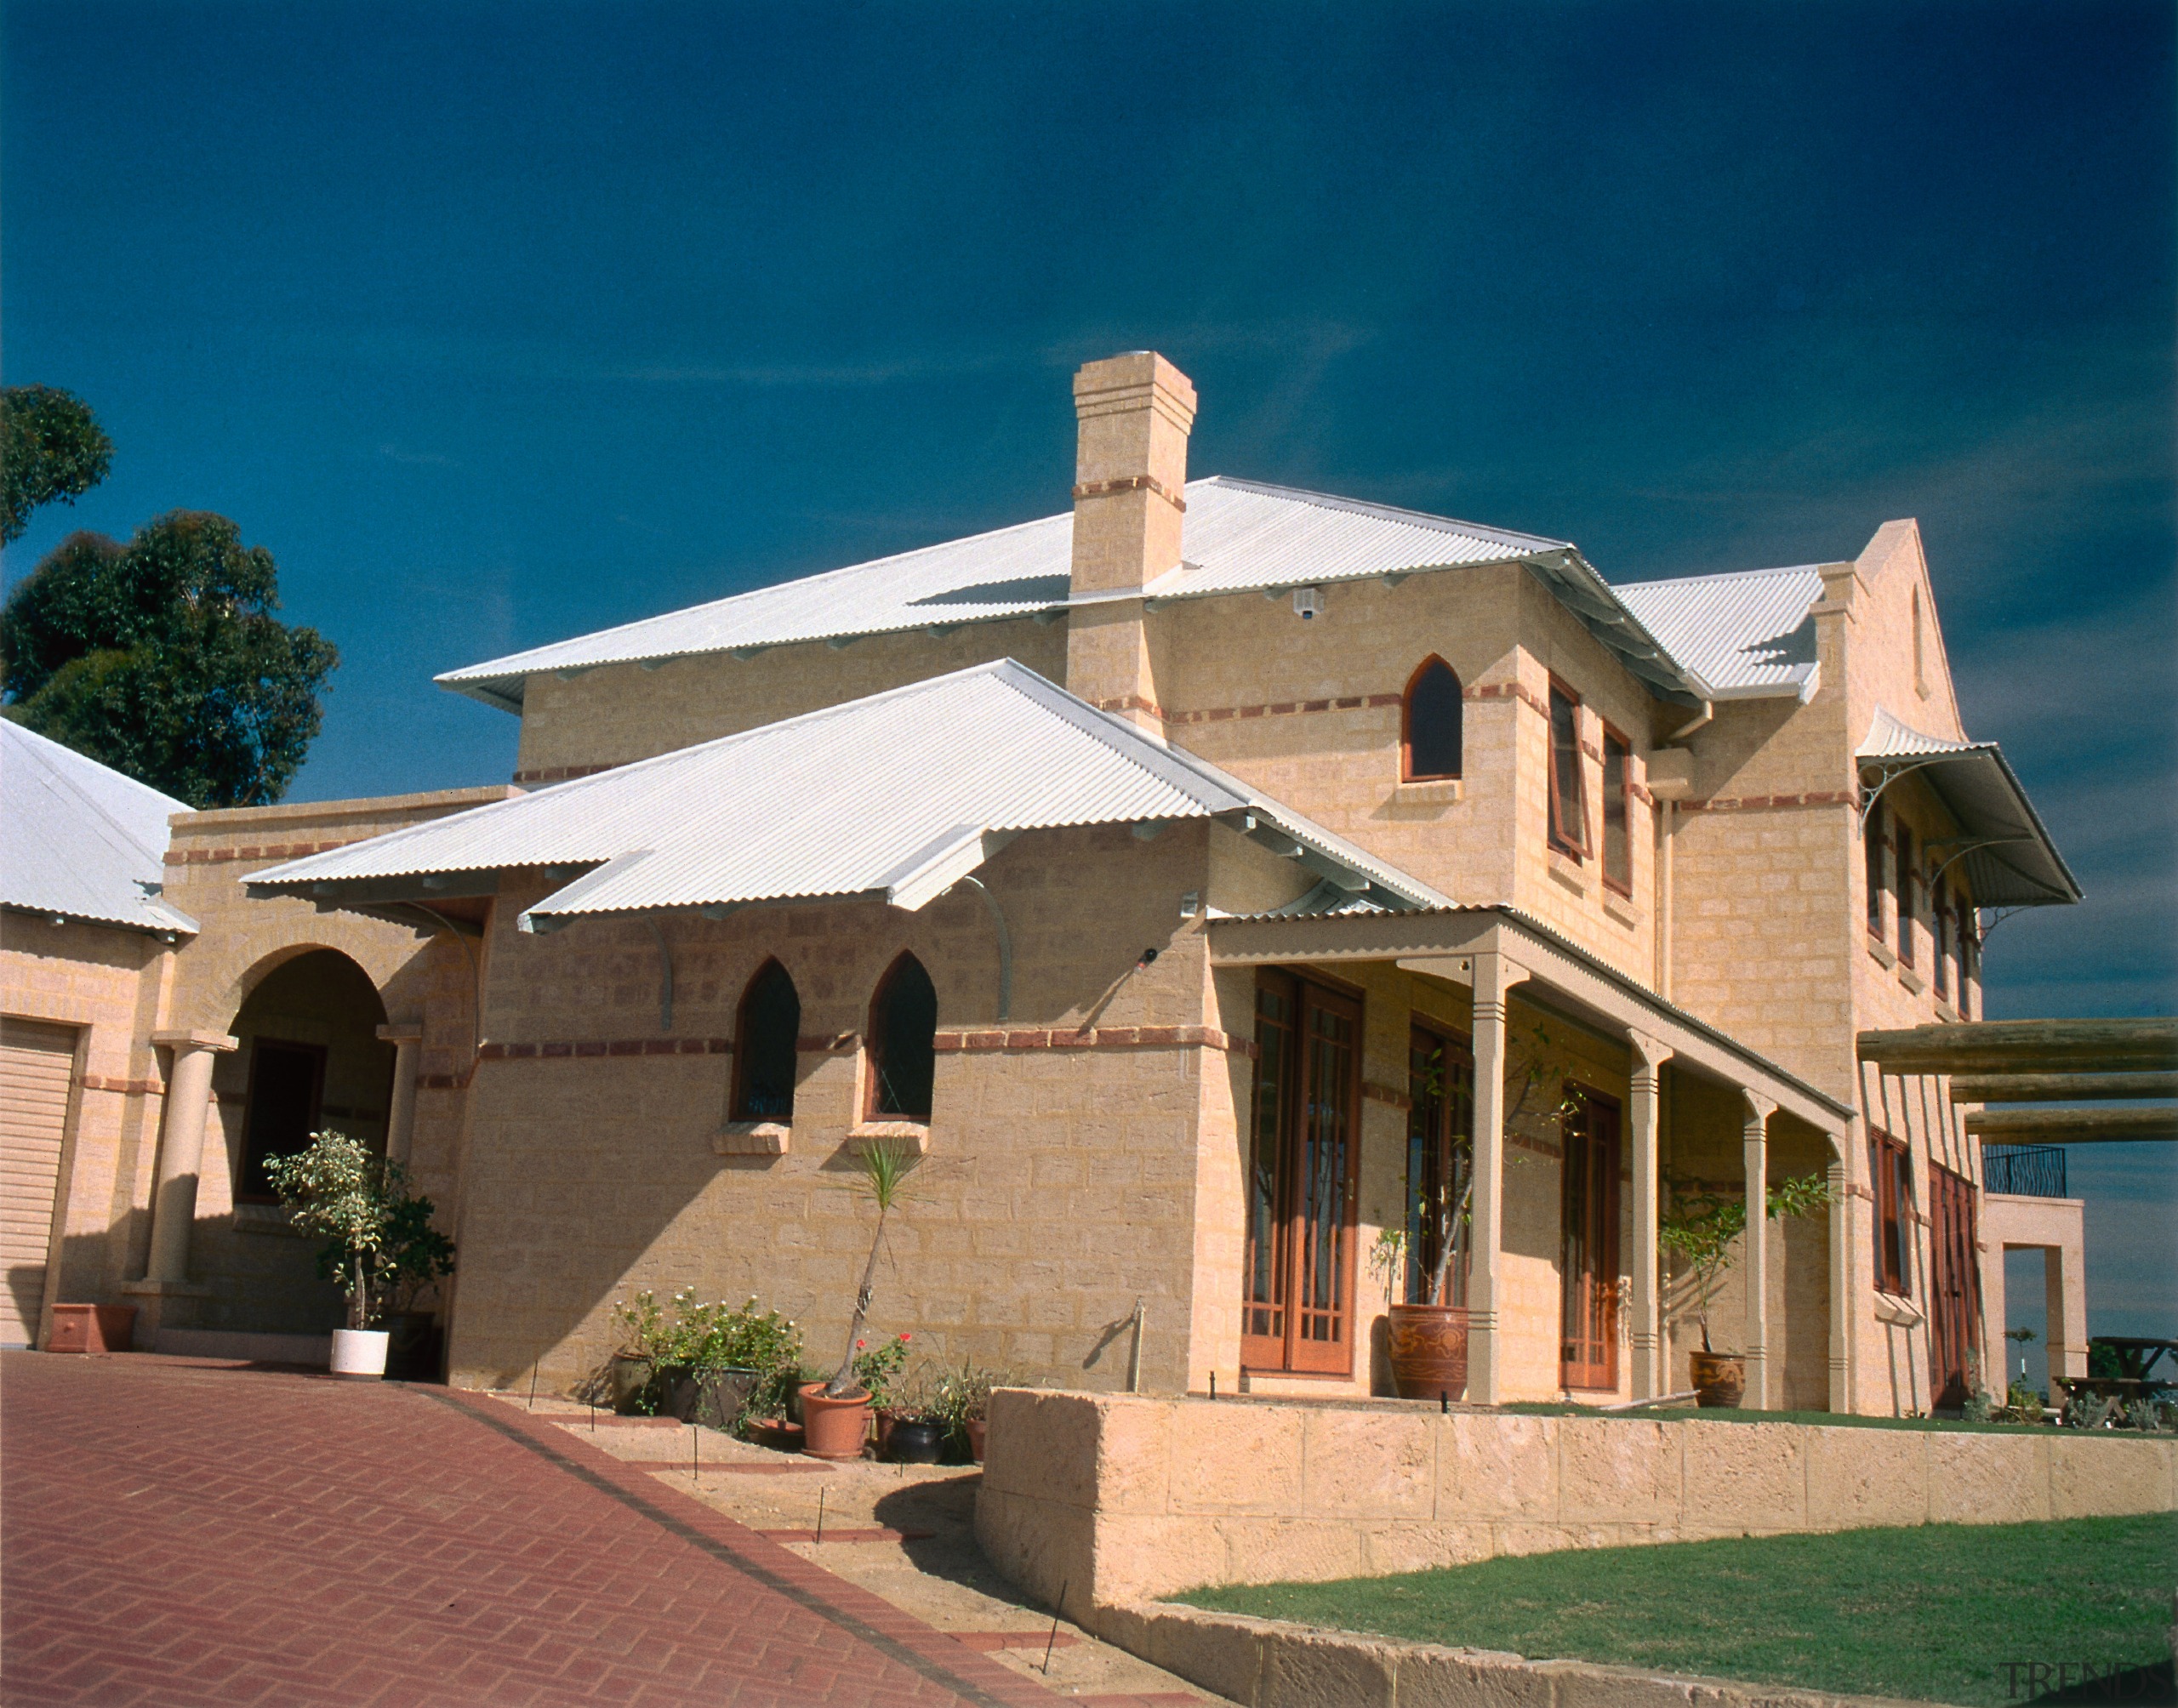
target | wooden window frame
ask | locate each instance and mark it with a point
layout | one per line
(737, 1104)
(1891, 1178)
(1872, 850)
(318, 1052)
(1623, 799)
(1406, 768)
(1954, 1287)
(1908, 879)
(1967, 950)
(1574, 847)
(1584, 1377)
(875, 1043)
(1940, 927)
(1284, 1349)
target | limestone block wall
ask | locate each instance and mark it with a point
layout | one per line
(1133, 1498)
(617, 712)
(109, 985)
(1062, 1162)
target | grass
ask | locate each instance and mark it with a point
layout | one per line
(1933, 1612)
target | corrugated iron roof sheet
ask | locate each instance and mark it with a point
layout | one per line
(79, 840)
(2006, 852)
(1237, 535)
(1743, 634)
(896, 794)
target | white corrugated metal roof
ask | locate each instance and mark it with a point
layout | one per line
(897, 794)
(1236, 535)
(2006, 852)
(1744, 635)
(79, 840)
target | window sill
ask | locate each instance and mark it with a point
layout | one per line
(1567, 871)
(1912, 980)
(1429, 791)
(1881, 951)
(1620, 908)
(752, 1139)
(265, 1218)
(914, 1136)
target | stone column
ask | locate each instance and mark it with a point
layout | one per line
(1845, 1277)
(181, 1151)
(408, 1042)
(1754, 1256)
(2064, 1284)
(1493, 976)
(1650, 1379)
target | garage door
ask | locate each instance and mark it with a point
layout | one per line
(36, 1064)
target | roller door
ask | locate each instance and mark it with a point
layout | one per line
(37, 1063)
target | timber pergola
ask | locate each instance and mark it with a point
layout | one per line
(1491, 950)
(2046, 1062)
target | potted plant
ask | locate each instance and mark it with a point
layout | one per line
(960, 1401)
(836, 1414)
(1702, 1228)
(1427, 1337)
(635, 1360)
(378, 1234)
(702, 1363)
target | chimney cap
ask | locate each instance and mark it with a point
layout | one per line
(1136, 371)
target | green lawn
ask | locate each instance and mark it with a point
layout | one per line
(1932, 1613)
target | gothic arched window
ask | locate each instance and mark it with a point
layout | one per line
(763, 1046)
(1429, 723)
(903, 1053)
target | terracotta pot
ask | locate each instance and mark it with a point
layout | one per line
(976, 1426)
(1719, 1378)
(885, 1417)
(1428, 1349)
(833, 1428)
(92, 1329)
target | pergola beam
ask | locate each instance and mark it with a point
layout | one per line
(2027, 1046)
(2070, 1126)
(2060, 1088)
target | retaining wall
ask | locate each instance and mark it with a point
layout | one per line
(1114, 1499)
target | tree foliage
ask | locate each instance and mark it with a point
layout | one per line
(163, 659)
(1700, 1226)
(380, 1249)
(53, 448)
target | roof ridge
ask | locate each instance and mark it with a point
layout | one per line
(1369, 507)
(1717, 575)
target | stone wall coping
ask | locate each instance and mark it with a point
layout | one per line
(258, 818)
(195, 1038)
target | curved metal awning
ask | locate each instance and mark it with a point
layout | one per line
(2003, 849)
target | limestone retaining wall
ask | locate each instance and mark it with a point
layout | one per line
(1125, 1498)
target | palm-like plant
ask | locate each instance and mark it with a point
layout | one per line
(881, 1171)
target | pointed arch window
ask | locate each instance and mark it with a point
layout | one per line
(1430, 716)
(763, 1046)
(903, 1043)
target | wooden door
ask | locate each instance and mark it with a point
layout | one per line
(1304, 1143)
(287, 1087)
(37, 1064)
(1589, 1354)
(1439, 1166)
(1954, 1286)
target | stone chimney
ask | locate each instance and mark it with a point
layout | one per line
(1130, 482)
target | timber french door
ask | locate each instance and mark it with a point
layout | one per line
(1303, 1146)
(1588, 1358)
(1954, 1287)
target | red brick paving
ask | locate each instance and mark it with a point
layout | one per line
(178, 1536)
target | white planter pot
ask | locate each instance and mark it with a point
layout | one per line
(359, 1354)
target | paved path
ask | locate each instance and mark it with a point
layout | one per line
(172, 1534)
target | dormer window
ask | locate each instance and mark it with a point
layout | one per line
(902, 1048)
(1568, 794)
(1430, 734)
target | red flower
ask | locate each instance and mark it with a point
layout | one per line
(905, 1337)
(859, 1345)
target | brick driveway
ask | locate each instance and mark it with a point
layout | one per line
(174, 1534)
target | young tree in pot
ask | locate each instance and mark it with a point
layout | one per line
(836, 1414)
(379, 1244)
(1701, 1228)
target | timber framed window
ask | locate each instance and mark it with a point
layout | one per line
(1431, 714)
(1872, 853)
(1942, 924)
(1439, 1166)
(1890, 1174)
(903, 1044)
(1588, 1270)
(1954, 1288)
(1909, 894)
(764, 1037)
(1617, 811)
(1303, 1154)
(1569, 792)
(1967, 945)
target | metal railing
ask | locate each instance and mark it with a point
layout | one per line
(2035, 1171)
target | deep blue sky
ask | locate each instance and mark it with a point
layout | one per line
(498, 324)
